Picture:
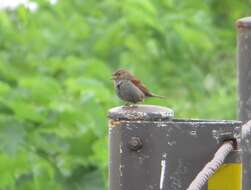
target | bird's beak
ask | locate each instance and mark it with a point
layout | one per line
(113, 77)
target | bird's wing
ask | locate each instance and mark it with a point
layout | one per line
(137, 83)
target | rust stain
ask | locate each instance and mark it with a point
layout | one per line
(115, 123)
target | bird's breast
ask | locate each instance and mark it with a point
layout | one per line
(127, 91)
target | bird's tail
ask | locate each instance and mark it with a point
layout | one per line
(156, 96)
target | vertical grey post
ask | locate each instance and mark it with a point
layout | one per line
(244, 68)
(244, 91)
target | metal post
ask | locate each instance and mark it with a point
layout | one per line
(149, 150)
(244, 89)
(244, 68)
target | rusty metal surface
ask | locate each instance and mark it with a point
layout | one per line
(172, 152)
(141, 113)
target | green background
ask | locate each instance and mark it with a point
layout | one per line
(55, 70)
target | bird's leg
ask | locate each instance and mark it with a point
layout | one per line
(127, 104)
(142, 101)
(133, 105)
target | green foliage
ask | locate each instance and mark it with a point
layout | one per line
(55, 87)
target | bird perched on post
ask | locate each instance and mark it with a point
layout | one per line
(129, 88)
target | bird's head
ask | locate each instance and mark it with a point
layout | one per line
(122, 74)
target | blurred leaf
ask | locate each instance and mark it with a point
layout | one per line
(42, 90)
(12, 137)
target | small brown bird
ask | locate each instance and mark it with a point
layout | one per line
(129, 88)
